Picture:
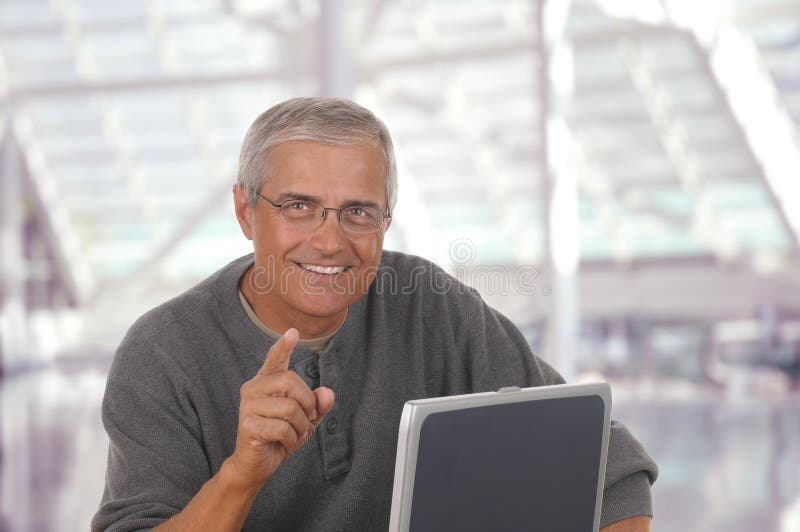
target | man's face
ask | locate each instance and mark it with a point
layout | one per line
(286, 289)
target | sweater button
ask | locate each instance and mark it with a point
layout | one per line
(312, 370)
(331, 425)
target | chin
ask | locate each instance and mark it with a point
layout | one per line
(326, 305)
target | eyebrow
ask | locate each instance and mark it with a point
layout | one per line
(305, 197)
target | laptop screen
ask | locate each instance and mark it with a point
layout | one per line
(530, 465)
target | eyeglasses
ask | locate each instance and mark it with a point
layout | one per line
(308, 215)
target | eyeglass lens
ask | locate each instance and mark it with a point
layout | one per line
(356, 219)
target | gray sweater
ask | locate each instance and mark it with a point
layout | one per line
(171, 401)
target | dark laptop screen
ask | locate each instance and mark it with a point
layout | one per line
(522, 466)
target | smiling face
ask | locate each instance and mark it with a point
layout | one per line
(307, 278)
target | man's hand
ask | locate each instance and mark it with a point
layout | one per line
(278, 413)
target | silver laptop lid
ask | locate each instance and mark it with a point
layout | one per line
(515, 459)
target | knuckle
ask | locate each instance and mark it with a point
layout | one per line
(286, 431)
(246, 389)
(248, 426)
(285, 379)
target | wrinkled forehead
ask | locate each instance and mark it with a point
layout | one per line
(319, 169)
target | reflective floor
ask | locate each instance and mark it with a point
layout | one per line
(52, 459)
(727, 464)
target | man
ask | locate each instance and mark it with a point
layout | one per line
(206, 433)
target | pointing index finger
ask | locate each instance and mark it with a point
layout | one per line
(278, 355)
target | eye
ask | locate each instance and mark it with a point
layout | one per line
(357, 212)
(298, 206)
(298, 209)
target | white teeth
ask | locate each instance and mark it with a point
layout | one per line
(327, 270)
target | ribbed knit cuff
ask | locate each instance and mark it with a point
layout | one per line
(626, 498)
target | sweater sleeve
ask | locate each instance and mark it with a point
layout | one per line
(156, 459)
(499, 355)
(629, 473)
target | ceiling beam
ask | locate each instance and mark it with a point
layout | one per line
(154, 83)
(429, 57)
(748, 112)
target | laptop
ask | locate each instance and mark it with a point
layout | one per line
(514, 459)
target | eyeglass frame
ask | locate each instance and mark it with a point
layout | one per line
(325, 210)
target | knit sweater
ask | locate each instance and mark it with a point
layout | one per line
(172, 397)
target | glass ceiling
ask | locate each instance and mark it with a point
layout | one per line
(130, 116)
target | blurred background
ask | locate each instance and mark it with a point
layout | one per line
(620, 177)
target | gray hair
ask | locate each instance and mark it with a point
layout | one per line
(326, 120)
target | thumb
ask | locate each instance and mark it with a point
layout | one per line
(278, 355)
(325, 398)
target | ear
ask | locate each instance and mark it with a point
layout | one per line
(388, 224)
(244, 213)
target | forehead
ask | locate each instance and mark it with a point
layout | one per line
(323, 169)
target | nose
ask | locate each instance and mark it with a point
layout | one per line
(329, 237)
